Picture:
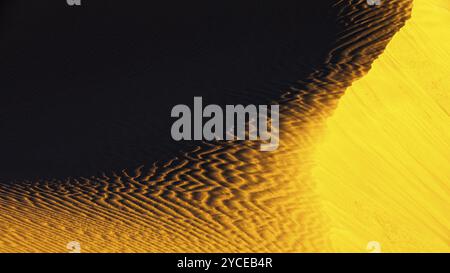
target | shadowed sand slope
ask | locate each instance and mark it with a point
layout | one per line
(214, 197)
(94, 92)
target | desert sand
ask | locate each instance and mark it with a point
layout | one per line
(363, 152)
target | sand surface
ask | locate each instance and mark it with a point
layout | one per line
(347, 172)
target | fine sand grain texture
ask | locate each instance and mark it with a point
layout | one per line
(382, 169)
(305, 197)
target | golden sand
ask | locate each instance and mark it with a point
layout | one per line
(387, 185)
(383, 168)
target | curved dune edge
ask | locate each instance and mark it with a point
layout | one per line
(382, 167)
(220, 197)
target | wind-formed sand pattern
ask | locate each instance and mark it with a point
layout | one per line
(231, 197)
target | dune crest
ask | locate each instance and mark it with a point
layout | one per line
(217, 197)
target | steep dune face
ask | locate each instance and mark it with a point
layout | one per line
(383, 166)
(94, 92)
(217, 197)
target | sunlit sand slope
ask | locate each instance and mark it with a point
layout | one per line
(221, 196)
(383, 168)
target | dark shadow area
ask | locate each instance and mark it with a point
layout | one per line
(90, 89)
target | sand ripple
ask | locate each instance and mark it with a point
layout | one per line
(218, 197)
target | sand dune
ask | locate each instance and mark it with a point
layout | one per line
(382, 168)
(217, 197)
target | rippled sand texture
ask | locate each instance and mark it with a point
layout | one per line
(383, 168)
(220, 197)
